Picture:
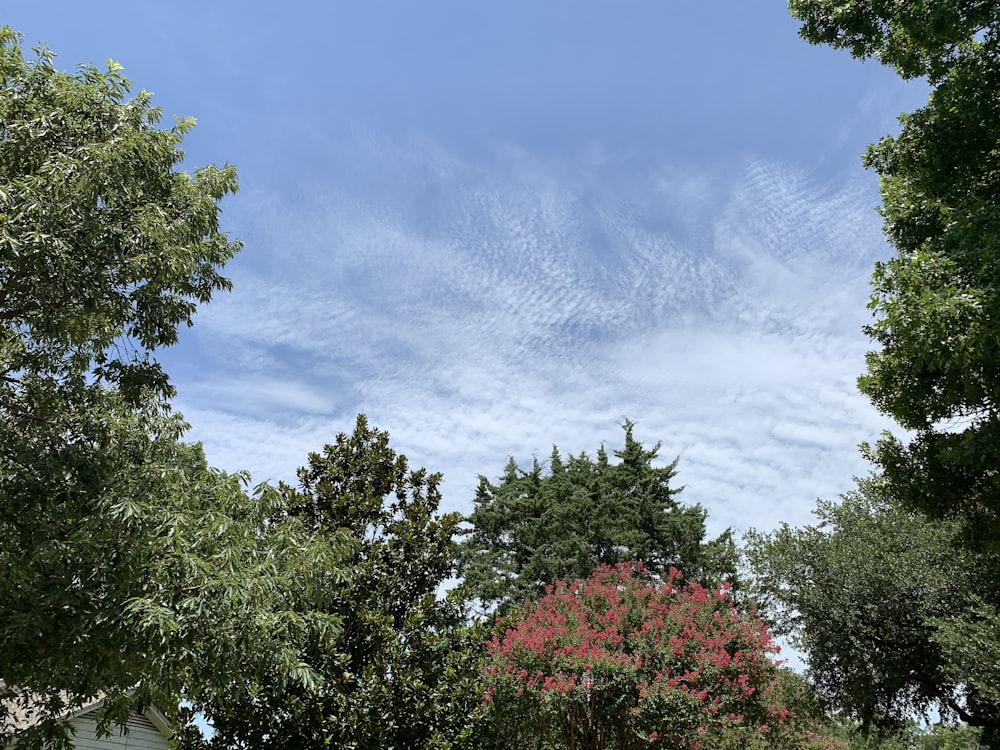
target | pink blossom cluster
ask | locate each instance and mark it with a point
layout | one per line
(650, 659)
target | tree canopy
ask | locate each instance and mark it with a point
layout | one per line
(403, 670)
(129, 564)
(106, 246)
(533, 528)
(937, 367)
(916, 37)
(624, 659)
(870, 594)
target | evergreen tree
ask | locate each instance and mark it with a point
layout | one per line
(533, 528)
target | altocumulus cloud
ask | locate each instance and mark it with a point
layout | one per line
(481, 308)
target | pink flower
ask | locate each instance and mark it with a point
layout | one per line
(677, 643)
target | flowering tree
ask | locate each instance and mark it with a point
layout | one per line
(627, 660)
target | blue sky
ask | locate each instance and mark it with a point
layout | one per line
(495, 227)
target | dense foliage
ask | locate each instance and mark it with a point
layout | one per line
(533, 528)
(129, 564)
(936, 370)
(937, 367)
(868, 594)
(106, 247)
(403, 671)
(916, 37)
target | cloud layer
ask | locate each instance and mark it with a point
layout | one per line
(484, 307)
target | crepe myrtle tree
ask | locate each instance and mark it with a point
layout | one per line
(626, 659)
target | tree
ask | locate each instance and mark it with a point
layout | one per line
(106, 247)
(917, 38)
(156, 581)
(129, 564)
(868, 594)
(403, 671)
(624, 659)
(533, 528)
(937, 369)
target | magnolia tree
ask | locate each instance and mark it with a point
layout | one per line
(624, 659)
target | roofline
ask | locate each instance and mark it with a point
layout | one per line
(151, 712)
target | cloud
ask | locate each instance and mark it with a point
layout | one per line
(478, 311)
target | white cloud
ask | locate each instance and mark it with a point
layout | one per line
(477, 313)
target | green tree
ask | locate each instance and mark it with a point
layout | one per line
(937, 368)
(917, 38)
(129, 564)
(910, 736)
(106, 247)
(533, 528)
(865, 594)
(159, 576)
(403, 672)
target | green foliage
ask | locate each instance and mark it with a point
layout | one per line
(937, 370)
(105, 248)
(944, 737)
(864, 594)
(910, 736)
(970, 640)
(162, 578)
(403, 671)
(916, 37)
(937, 367)
(532, 528)
(130, 566)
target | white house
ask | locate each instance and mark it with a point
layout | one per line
(149, 730)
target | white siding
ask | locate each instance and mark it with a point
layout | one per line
(142, 735)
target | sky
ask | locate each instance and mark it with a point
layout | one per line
(498, 227)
